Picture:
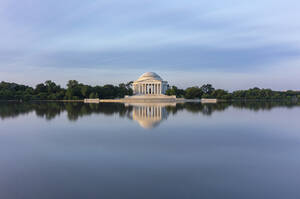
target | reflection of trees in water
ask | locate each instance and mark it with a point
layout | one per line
(11, 110)
(264, 105)
(205, 109)
(14, 109)
(50, 110)
(76, 110)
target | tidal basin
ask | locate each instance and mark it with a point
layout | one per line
(149, 150)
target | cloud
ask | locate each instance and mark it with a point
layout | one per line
(195, 58)
(233, 37)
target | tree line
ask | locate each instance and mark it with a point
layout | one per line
(49, 90)
(208, 91)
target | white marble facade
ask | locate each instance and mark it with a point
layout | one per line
(149, 84)
(150, 115)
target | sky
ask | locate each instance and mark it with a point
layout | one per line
(232, 44)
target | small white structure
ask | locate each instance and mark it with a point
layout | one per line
(97, 100)
(149, 83)
(205, 100)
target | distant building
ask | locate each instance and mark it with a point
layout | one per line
(149, 87)
(150, 83)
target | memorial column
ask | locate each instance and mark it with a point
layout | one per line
(152, 89)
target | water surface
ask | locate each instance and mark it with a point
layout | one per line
(192, 150)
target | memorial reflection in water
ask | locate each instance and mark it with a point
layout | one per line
(149, 115)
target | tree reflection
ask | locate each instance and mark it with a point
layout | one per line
(50, 110)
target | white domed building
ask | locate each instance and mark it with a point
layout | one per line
(149, 87)
(149, 83)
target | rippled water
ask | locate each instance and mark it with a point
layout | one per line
(75, 150)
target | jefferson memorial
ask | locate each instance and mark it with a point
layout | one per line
(149, 87)
(149, 83)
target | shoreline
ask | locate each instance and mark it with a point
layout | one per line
(179, 100)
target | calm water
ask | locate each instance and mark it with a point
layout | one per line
(184, 151)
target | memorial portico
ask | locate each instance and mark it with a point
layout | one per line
(150, 84)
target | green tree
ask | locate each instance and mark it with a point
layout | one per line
(175, 91)
(220, 94)
(207, 89)
(92, 96)
(40, 88)
(85, 91)
(73, 91)
(193, 92)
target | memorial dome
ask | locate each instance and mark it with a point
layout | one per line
(149, 76)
